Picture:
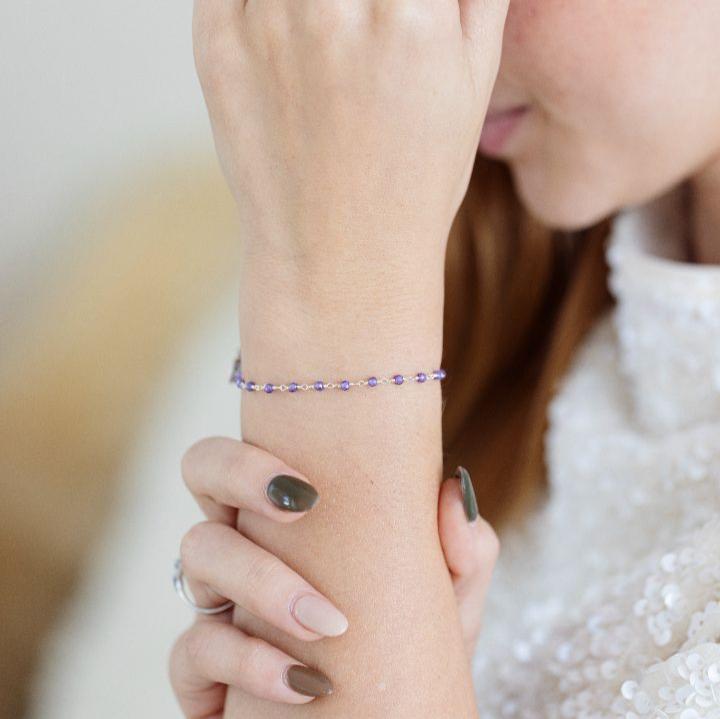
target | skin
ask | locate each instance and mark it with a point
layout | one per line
(225, 475)
(348, 164)
(623, 104)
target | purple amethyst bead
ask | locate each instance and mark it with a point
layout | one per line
(249, 386)
(293, 387)
(421, 377)
(238, 379)
(319, 385)
(345, 385)
(268, 389)
(398, 379)
(372, 382)
(439, 374)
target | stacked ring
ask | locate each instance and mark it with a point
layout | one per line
(182, 592)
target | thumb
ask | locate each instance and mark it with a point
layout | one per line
(468, 541)
(471, 547)
(483, 23)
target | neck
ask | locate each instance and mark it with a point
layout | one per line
(705, 213)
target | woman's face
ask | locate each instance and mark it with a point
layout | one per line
(623, 102)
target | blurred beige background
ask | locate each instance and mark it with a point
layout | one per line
(117, 242)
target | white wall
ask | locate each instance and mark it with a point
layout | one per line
(90, 91)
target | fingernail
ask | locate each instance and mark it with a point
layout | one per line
(468, 494)
(291, 494)
(318, 615)
(308, 682)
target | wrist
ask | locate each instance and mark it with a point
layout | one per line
(328, 317)
(305, 240)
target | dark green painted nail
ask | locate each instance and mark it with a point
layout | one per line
(291, 494)
(468, 494)
(307, 681)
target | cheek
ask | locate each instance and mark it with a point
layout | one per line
(561, 53)
(589, 71)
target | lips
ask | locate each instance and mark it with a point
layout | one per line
(499, 126)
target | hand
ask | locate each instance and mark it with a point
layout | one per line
(349, 123)
(225, 475)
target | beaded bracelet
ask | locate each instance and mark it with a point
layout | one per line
(319, 385)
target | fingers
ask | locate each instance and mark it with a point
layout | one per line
(323, 17)
(210, 656)
(235, 567)
(471, 548)
(481, 18)
(225, 475)
(469, 542)
(214, 14)
(483, 23)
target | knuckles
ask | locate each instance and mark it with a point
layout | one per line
(408, 17)
(260, 574)
(197, 645)
(275, 32)
(192, 543)
(251, 661)
(328, 18)
(187, 463)
(191, 656)
(175, 662)
(325, 20)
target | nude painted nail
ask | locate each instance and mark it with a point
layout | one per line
(318, 615)
(468, 494)
(308, 682)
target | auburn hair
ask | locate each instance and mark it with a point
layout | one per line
(519, 299)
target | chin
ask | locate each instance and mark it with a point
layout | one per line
(562, 203)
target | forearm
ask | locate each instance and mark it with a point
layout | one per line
(375, 456)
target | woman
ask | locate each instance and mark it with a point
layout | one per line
(348, 133)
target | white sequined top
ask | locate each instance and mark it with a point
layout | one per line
(607, 602)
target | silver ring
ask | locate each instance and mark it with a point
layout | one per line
(180, 589)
